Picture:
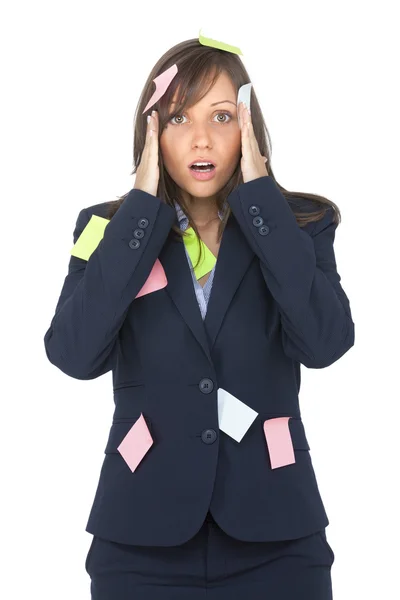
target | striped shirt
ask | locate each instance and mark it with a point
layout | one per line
(202, 293)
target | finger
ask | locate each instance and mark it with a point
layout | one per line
(246, 147)
(252, 138)
(246, 122)
(151, 141)
(154, 124)
(147, 138)
(243, 115)
(151, 125)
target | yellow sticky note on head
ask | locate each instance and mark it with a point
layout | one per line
(90, 237)
(209, 41)
(192, 246)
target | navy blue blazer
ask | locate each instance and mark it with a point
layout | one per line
(276, 303)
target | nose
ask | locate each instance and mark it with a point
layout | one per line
(201, 136)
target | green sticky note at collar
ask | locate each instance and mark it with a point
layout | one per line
(90, 237)
(208, 41)
(192, 246)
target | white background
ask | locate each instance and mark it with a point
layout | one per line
(326, 76)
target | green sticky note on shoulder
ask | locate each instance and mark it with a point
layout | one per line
(90, 237)
(192, 246)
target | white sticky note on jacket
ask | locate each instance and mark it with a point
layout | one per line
(234, 416)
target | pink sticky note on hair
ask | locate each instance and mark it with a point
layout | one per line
(136, 443)
(155, 281)
(279, 442)
(162, 81)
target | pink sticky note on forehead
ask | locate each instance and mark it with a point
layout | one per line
(279, 442)
(162, 81)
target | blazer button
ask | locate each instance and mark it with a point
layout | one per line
(209, 436)
(254, 210)
(258, 221)
(138, 233)
(143, 222)
(264, 230)
(134, 244)
(206, 386)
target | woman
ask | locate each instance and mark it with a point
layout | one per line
(207, 488)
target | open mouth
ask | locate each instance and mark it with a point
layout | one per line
(203, 172)
(203, 168)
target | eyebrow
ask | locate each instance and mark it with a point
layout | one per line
(215, 103)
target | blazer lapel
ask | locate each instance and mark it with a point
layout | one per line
(234, 258)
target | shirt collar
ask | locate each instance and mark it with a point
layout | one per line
(184, 220)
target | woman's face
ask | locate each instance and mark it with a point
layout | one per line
(204, 132)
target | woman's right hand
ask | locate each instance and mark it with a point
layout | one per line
(148, 171)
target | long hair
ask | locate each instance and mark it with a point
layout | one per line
(198, 68)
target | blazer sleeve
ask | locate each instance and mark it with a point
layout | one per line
(96, 294)
(300, 271)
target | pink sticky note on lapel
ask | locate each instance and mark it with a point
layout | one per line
(279, 442)
(162, 81)
(136, 443)
(155, 281)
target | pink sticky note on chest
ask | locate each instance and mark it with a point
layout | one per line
(155, 281)
(136, 443)
(279, 442)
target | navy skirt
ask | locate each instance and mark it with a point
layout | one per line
(213, 566)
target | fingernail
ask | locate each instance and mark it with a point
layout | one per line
(246, 108)
(148, 119)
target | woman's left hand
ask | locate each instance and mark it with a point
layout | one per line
(252, 163)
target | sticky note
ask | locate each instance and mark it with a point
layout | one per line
(279, 442)
(192, 246)
(209, 41)
(244, 94)
(136, 443)
(234, 416)
(162, 82)
(155, 281)
(90, 237)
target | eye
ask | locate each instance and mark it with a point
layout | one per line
(225, 113)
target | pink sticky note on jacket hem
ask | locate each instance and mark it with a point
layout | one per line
(279, 442)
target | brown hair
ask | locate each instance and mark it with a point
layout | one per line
(198, 68)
